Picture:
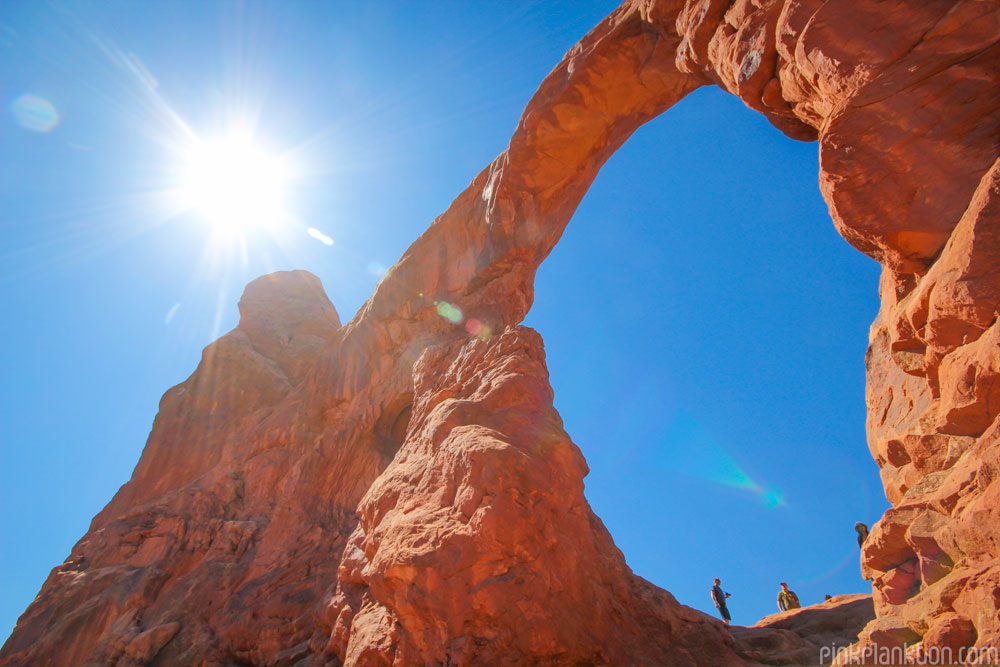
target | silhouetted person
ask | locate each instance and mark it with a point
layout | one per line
(862, 533)
(827, 597)
(787, 599)
(719, 598)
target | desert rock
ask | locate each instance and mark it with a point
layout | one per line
(400, 490)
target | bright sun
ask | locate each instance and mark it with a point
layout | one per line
(233, 184)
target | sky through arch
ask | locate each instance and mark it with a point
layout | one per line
(710, 326)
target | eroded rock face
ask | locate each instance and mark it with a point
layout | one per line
(400, 490)
(808, 635)
(476, 544)
(934, 378)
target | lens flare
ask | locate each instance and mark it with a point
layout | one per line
(34, 113)
(140, 70)
(692, 451)
(449, 312)
(319, 236)
(478, 329)
(772, 497)
(171, 313)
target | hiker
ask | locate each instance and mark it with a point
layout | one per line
(862, 533)
(719, 598)
(787, 599)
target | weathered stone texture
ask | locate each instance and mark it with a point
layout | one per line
(400, 490)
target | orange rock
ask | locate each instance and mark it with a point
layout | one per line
(400, 489)
(811, 635)
(952, 632)
(477, 546)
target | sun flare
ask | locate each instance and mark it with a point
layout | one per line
(234, 184)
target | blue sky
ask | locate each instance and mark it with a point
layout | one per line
(705, 325)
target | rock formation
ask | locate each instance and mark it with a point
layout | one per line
(400, 490)
(808, 635)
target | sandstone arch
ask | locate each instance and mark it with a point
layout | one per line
(237, 540)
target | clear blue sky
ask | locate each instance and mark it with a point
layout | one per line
(704, 323)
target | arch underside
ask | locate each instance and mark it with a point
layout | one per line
(396, 490)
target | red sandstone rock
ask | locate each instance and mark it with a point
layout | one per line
(476, 545)
(397, 490)
(809, 635)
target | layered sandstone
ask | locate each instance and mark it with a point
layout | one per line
(400, 489)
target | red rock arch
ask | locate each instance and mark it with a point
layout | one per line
(237, 537)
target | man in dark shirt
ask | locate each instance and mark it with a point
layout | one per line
(719, 598)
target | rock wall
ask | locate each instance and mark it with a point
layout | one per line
(399, 490)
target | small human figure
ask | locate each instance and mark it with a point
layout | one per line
(719, 598)
(862, 530)
(827, 597)
(787, 599)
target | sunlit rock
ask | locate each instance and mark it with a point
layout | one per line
(400, 490)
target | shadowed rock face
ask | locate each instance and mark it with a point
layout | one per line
(400, 490)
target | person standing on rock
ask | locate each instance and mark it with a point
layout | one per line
(787, 599)
(719, 598)
(862, 530)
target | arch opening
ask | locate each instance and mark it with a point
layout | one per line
(721, 332)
